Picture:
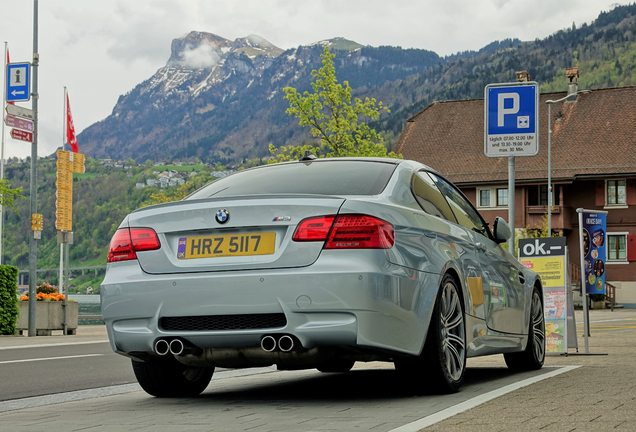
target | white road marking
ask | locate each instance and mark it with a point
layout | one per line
(53, 344)
(50, 358)
(37, 401)
(472, 403)
(612, 320)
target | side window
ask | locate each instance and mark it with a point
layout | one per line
(466, 215)
(430, 198)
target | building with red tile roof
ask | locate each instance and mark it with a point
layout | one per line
(593, 159)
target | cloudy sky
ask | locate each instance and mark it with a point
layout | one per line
(102, 49)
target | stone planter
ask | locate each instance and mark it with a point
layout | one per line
(598, 304)
(49, 316)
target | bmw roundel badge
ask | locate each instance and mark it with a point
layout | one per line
(222, 216)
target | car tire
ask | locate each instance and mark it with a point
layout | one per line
(170, 378)
(533, 356)
(338, 365)
(442, 363)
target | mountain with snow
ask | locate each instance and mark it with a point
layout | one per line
(218, 99)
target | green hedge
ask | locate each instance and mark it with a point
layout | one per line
(9, 311)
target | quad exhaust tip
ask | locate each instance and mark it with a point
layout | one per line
(162, 347)
(286, 343)
(268, 343)
(176, 347)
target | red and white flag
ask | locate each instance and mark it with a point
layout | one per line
(8, 61)
(70, 128)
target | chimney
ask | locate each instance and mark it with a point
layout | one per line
(573, 75)
(523, 76)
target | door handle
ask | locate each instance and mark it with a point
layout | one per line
(480, 246)
(521, 278)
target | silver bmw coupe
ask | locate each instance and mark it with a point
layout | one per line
(318, 263)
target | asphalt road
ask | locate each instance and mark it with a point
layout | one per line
(368, 398)
(26, 372)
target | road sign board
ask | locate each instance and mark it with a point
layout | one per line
(21, 135)
(511, 119)
(19, 123)
(18, 82)
(20, 112)
(67, 163)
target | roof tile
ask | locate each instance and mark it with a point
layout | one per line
(594, 136)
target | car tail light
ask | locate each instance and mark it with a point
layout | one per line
(347, 232)
(128, 241)
(314, 229)
(360, 232)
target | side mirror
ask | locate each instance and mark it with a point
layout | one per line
(501, 230)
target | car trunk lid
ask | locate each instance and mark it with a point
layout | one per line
(257, 233)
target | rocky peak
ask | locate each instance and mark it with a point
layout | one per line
(198, 50)
(253, 45)
(339, 43)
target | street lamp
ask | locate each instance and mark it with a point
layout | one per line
(549, 103)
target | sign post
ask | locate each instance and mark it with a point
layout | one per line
(19, 123)
(37, 225)
(21, 135)
(592, 233)
(547, 257)
(511, 128)
(67, 164)
(18, 82)
(33, 243)
(17, 111)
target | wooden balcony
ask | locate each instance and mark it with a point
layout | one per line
(561, 217)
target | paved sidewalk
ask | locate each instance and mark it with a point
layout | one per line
(599, 396)
(85, 334)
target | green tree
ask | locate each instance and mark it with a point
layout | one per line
(333, 117)
(148, 163)
(9, 311)
(9, 195)
(524, 233)
(130, 161)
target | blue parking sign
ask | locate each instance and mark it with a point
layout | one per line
(18, 82)
(511, 126)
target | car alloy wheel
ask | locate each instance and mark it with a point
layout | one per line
(538, 327)
(533, 356)
(452, 332)
(442, 364)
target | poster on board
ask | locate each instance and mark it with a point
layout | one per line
(546, 257)
(594, 233)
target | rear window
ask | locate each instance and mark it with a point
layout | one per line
(318, 177)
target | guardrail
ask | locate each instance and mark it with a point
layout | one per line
(99, 317)
(57, 269)
(22, 273)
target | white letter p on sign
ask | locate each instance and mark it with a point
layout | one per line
(501, 111)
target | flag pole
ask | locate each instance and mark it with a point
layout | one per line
(62, 284)
(4, 104)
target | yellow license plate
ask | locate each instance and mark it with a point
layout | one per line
(226, 245)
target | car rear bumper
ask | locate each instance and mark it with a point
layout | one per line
(362, 302)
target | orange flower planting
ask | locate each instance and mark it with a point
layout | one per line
(44, 297)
